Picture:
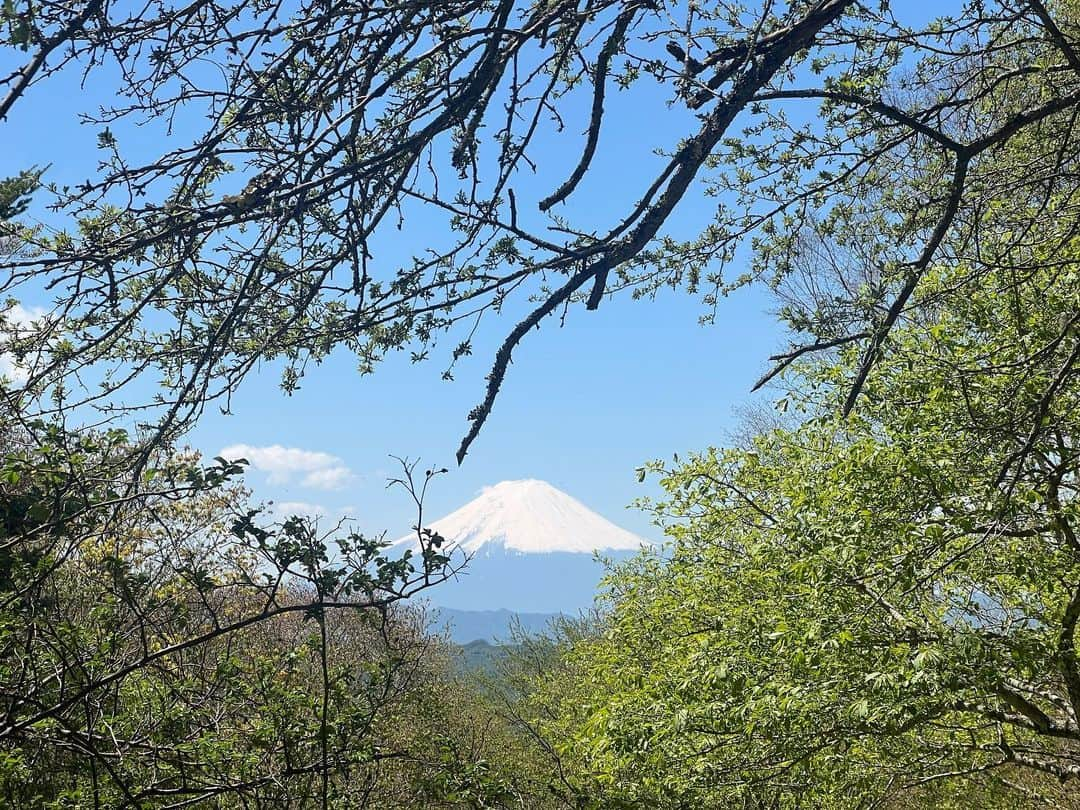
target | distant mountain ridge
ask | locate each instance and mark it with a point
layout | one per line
(530, 549)
(531, 517)
(492, 626)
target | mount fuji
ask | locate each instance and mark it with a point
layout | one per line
(527, 547)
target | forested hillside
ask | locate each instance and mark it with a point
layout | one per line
(868, 597)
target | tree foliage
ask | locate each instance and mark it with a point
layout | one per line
(173, 648)
(873, 602)
(852, 609)
(260, 230)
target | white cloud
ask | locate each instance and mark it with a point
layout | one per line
(10, 370)
(283, 465)
(328, 478)
(18, 320)
(23, 316)
(287, 509)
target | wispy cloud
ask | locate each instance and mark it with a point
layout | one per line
(328, 478)
(10, 370)
(17, 320)
(286, 509)
(285, 465)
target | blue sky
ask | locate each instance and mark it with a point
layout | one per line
(582, 406)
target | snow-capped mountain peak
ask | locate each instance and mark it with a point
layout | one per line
(529, 517)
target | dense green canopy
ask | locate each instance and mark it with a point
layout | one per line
(871, 600)
(852, 607)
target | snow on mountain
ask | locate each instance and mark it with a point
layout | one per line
(526, 547)
(529, 517)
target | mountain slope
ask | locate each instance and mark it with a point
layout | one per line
(531, 517)
(526, 547)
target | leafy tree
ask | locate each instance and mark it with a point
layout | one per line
(259, 232)
(877, 608)
(165, 646)
(15, 193)
(850, 611)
